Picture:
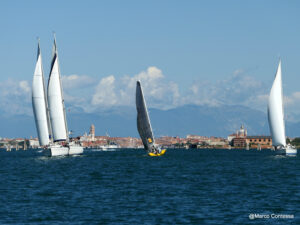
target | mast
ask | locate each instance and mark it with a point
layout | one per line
(46, 100)
(282, 105)
(147, 113)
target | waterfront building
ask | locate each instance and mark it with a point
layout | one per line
(34, 143)
(217, 142)
(239, 142)
(263, 141)
(238, 139)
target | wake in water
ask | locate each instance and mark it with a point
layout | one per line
(73, 156)
(106, 150)
(282, 156)
(48, 158)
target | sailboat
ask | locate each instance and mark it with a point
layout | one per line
(50, 113)
(144, 125)
(276, 117)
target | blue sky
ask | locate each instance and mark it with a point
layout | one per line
(202, 52)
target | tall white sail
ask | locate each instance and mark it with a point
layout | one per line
(39, 102)
(56, 101)
(275, 111)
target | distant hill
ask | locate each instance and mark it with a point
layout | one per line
(14, 126)
(208, 121)
(188, 119)
(293, 129)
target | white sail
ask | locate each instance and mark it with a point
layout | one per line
(39, 102)
(275, 111)
(56, 101)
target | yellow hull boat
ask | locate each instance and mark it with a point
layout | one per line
(158, 154)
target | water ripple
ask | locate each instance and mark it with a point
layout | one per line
(128, 187)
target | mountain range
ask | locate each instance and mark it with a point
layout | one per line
(189, 119)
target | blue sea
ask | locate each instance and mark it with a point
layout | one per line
(128, 187)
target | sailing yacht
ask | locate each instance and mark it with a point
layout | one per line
(49, 111)
(144, 125)
(276, 117)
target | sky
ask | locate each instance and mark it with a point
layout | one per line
(184, 52)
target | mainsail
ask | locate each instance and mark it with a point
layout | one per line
(143, 121)
(275, 111)
(56, 101)
(39, 101)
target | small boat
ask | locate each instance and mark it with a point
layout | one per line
(276, 117)
(144, 125)
(109, 146)
(157, 154)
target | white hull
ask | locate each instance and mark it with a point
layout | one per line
(112, 146)
(102, 147)
(108, 147)
(290, 151)
(75, 150)
(58, 150)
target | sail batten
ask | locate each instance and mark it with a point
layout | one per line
(39, 102)
(275, 111)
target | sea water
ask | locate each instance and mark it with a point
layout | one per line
(128, 187)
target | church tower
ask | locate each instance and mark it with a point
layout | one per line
(92, 132)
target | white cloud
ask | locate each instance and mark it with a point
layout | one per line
(292, 100)
(91, 94)
(239, 89)
(78, 90)
(105, 92)
(292, 106)
(25, 86)
(77, 81)
(119, 92)
(15, 97)
(258, 102)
